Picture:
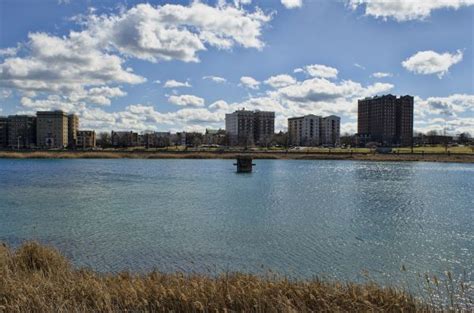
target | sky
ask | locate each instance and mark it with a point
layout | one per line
(182, 65)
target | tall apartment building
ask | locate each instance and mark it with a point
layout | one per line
(3, 132)
(304, 130)
(313, 130)
(52, 129)
(73, 126)
(387, 120)
(248, 127)
(331, 130)
(21, 131)
(86, 139)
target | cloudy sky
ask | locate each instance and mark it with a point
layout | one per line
(174, 65)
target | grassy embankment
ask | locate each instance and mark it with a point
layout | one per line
(35, 278)
(428, 154)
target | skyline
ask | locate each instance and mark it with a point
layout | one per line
(180, 65)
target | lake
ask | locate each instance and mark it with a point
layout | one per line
(336, 219)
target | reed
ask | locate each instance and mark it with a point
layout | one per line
(35, 278)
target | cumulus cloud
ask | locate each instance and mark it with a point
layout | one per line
(279, 81)
(318, 70)
(249, 82)
(292, 4)
(176, 84)
(381, 75)
(176, 32)
(186, 100)
(431, 62)
(216, 79)
(452, 105)
(63, 65)
(405, 10)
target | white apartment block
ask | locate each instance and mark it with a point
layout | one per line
(313, 130)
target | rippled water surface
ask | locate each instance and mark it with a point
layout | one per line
(301, 218)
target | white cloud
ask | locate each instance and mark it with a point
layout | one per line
(249, 82)
(157, 82)
(215, 79)
(381, 75)
(291, 4)
(186, 100)
(176, 84)
(318, 70)
(359, 66)
(431, 62)
(405, 10)
(176, 32)
(8, 52)
(452, 105)
(63, 65)
(279, 81)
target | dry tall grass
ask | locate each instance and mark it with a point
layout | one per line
(35, 278)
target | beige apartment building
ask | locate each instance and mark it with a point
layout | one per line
(313, 130)
(86, 139)
(73, 126)
(52, 129)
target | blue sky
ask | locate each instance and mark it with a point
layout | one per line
(174, 65)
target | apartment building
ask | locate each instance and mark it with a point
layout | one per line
(86, 139)
(331, 130)
(21, 131)
(124, 139)
(3, 131)
(249, 128)
(73, 126)
(313, 130)
(386, 119)
(304, 130)
(52, 129)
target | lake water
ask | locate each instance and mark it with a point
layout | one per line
(337, 219)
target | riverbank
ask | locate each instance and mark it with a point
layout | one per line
(292, 155)
(35, 278)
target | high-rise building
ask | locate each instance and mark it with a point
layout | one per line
(304, 130)
(86, 139)
(331, 130)
(247, 128)
(21, 131)
(313, 130)
(52, 129)
(3, 131)
(387, 120)
(264, 127)
(73, 126)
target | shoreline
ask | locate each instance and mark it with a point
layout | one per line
(38, 278)
(270, 155)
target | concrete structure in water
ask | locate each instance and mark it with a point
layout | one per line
(244, 164)
(386, 120)
(313, 130)
(248, 128)
(21, 131)
(52, 129)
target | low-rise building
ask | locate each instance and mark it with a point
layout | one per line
(214, 137)
(3, 131)
(156, 139)
(21, 131)
(86, 139)
(124, 139)
(52, 129)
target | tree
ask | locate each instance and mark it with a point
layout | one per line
(104, 140)
(464, 138)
